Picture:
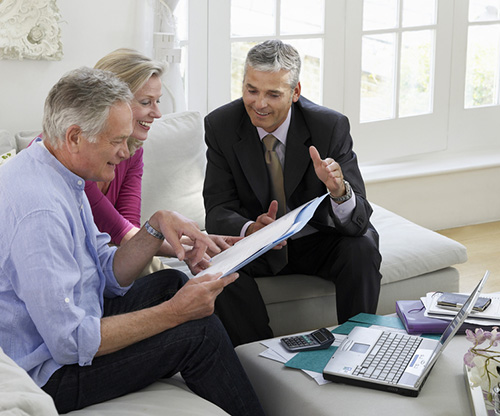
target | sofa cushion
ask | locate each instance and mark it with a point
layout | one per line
(409, 250)
(163, 398)
(25, 137)
(19, 395)
(7, 141)
(168, 183)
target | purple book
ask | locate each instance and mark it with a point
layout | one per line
(411, 313)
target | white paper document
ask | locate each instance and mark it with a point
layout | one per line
(256, 244)
(275, 351)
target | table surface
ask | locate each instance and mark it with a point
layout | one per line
(288, 392)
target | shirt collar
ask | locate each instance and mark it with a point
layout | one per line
(41, 152)
(281, 132)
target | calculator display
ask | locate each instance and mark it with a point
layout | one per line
(319, 336)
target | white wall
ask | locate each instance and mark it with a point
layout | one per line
(90, 29)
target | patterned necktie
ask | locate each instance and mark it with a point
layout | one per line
(275, 173)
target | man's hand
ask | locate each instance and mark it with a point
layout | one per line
(329, 172)
(196, 299)
(223, 243)
(266, 219)
(174, 226)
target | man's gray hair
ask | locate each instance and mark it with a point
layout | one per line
(274, 56)
(82, 97)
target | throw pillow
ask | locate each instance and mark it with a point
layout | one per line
(174, 167)
(7, 156)
(7, 141)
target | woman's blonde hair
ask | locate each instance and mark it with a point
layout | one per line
(134, 69)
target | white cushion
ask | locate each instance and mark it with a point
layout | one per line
(410, 250)
(24, 138)
(163, 398)
(4, 158)
(7, 141)
(174, 167)
(19, 395)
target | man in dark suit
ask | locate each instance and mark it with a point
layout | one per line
(314, 147)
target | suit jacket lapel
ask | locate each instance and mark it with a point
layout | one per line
(297, 157)
(249, 153)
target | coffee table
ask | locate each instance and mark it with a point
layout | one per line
(288, 392)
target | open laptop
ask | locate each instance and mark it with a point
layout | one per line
(362, 359)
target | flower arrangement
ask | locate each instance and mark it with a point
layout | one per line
(483, 361)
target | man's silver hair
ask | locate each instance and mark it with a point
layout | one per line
(82, 97)
(274, 56)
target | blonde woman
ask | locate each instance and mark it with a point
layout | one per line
(116, 205)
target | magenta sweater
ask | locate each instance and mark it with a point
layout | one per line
(117, 211)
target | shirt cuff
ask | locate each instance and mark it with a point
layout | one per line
(245, 228)
(343, 211)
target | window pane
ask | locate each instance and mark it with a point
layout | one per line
(419, 12)
(377, 77)
(415, 82)
(239, 52)
(481, 77)
(380, 14)
(310, 50)
(483, 10)
(252, 18)
(304, 17)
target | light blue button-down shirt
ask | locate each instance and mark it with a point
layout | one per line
(55, 266)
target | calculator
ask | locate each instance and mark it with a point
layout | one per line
(317, 340)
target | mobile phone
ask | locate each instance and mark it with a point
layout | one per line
(456, 300)
(317, 340)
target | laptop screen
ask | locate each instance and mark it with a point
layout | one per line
(462, 314)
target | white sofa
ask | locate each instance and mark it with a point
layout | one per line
(415, 260)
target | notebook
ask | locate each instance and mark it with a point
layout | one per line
(368, 357)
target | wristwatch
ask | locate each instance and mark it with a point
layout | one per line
(153, 232)
(345, 197)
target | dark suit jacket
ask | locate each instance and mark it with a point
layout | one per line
(236, 186)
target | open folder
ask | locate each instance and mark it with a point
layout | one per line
(256, 244)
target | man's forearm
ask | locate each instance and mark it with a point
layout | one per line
(120, 331)
(131, 257)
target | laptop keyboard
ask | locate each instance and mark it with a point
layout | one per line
(389, 357)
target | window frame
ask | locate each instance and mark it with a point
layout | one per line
(450, 128)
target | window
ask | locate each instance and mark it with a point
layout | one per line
(413, 76)
(397, 58)
(295, 21)
(482, 54)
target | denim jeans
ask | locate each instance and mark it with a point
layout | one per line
(200, 350)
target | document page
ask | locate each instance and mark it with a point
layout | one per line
(263, 240)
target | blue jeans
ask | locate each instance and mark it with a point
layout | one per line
(200, 350)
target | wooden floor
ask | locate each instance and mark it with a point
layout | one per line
(483, 251)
